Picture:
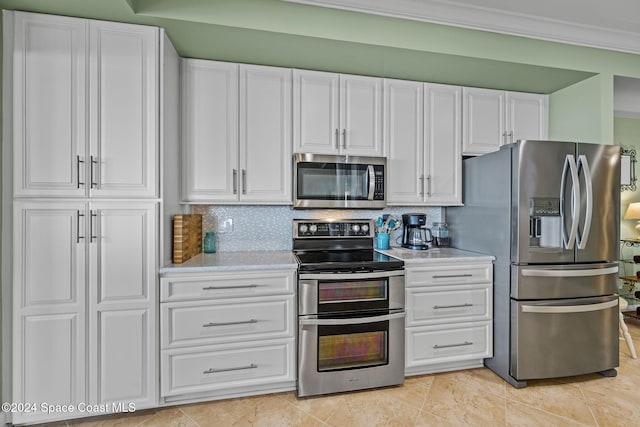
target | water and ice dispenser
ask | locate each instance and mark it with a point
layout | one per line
(545, 222)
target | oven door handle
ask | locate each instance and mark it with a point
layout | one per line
(350, 276)
(350, 321)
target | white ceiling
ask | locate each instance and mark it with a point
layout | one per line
(608, 24)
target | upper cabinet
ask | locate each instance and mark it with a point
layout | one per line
(492, 118)
(236, 133)
(422, 139)
(85, 109)
(337, 114)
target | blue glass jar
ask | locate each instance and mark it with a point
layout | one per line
(210, 242)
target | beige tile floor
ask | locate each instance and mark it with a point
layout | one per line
(475, 397)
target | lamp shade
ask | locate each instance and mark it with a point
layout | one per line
(633, 211)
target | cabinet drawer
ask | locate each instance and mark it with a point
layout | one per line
(227, 285)
(431, 345)
(450, 274)
(447, 304)
(220, 367)
(198, 323)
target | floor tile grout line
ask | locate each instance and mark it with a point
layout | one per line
(547, 412)
(586, 399)
(188, 416)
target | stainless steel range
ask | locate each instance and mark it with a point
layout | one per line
(350, 307)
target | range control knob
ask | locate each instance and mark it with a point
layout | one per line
(313, 228)
(365, 228)
(355, 228)
(303, 228)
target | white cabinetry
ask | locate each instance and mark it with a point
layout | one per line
(86, 105)
(492, 118)
(422, 139)
(337, 114)
(449, 317)
(236, 133)
(68, 253)
(85, 113)
(227, 334)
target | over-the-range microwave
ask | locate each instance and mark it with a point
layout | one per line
(338, 182)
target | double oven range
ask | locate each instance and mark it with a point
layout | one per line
(350, 308)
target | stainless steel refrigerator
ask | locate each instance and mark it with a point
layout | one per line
(549, 212)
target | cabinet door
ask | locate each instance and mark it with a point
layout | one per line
(404, 141)
(315, 112)
(527, 116)
(49, 105)
(483, 121)
(49, 344)
(443, 111)
(122, 302)
(265, 134)
(124, 109)
(361, 115)
(209, 131)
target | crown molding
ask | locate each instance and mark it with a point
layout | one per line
(494, 20)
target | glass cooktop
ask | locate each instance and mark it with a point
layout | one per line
(360, 260)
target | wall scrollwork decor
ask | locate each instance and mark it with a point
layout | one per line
(628, 169)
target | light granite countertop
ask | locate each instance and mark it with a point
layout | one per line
(435, 255)
(234, 261)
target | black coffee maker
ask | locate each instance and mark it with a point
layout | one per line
(414, 233)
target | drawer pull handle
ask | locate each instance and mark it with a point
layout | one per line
(452, 345)
(435, 307)
(242, 322)
(452, 275)
(239, 368)
(213, 288)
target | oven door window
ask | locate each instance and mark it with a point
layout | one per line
(353, 346)
(332, 181)
(349, 295)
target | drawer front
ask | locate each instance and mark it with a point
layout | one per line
(227, 285)
(429, 345)
(434, 305)
(221, 367)
(450, 274)
(195, 323)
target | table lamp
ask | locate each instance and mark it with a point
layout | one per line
(633, 212)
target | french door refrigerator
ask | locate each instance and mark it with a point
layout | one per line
(549, 212)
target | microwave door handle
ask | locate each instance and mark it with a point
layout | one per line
(372, 181)
(584, 236)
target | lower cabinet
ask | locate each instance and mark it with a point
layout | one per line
(227, 334)
(449, 317)
(84, 307)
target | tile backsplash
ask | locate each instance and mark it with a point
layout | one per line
(269, 228)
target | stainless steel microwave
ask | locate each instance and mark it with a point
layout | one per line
(339, 182)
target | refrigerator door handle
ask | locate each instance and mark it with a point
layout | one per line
(589, 272)
(551, 309)
(570, 166)
(582, 238)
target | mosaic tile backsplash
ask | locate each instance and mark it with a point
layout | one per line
(269, 228)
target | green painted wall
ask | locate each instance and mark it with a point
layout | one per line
(627, 134)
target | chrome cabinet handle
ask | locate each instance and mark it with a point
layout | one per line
(436, 307)
(94, 161)
(78, 216)
(92, 236)
(337, 139)
(239, 368)
(511, 136)
(452, 345)
(212, 288)
(429, 185)
(504, 137)
(451, 276)
(344, 138)
(78, 161)
(422, 185)
(241, 322)
(235, 181)
(244, 181)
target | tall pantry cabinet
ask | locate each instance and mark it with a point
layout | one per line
(82, 148)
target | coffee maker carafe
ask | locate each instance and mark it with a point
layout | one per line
(414, 233)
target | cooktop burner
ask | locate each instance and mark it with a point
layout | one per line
(339, 246)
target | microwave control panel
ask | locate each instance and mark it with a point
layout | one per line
(378, 192)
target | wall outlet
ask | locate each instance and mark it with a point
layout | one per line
(225, 225)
